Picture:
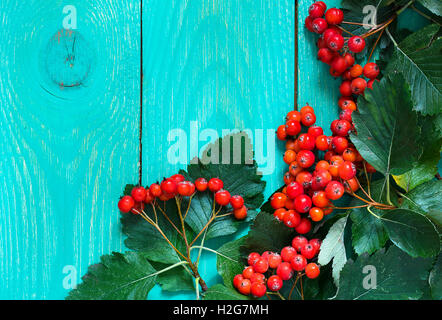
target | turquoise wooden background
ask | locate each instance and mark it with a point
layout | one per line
(68, 149)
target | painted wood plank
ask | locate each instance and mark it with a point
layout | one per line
(223, 64)
(69, 115)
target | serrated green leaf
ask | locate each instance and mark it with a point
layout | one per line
(267, 234)
(231, 160)
(220, 292)
(396, 275)
(117, 277)
(425, 198)
(419, 58)
(229, 261)
(386, 127)
(333, 247)
(435, 279)
(412, 232)
(175, 279)
(434, 6)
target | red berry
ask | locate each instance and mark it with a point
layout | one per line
(308, 119)
(252, 258)
(241, 213)
(149, 197)
(278, 200)
(261, 265)
(320, 199)
(305, 158)
(185, 188)
(274, 260)
(316, 10)
(291, 218)
(346, 115)
(298, 262)
(371, 70)
(304, 227)
(245, 286)
(248, 272)
(326, 55)
(309, 23)
(316, 214)
(358, 85)
(345, 88)
(126, 204)
(334, 16)
(284, 271)
(138, 194)
(294, 189)
(308, 251)
(339, 144)
(306, 141)
(215, 184)
(339, 64)
(303, 203)
(258, 277)
(177, 178)
(155, 190)
(322, 142)
(312, 270)
(201, 184)
(316, 243)
(356, 44)
(330, 32)
(258, 289)
(281, 132)
(319, 25)
(237, 280)
(298, 242)
(334, 190)
(168, 186)
(347, 170)
(274, 283)
(341, 127)
(287, 253)
(335, 42)
(349, 59)
(305, 179)
(222, 197)
(315, 131)
(236, 202)
(292, 127)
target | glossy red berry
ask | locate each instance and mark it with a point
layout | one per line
(248, 272)
(281, 132)
(316, 243)
(222, 197)
(319, 25)
(185, 188)
(138, 194)
(334, 190)
(315, 131)
(215, 184)
(252, 258)
(241, 213)
(298, 242)
(291, 218)
(261, 265)
(305, 158)
(347, 170)
(304, 226)
(284, 271)
(326, 55)
(308, 22)
(298, 262)
(237, 280)
(258, 277)
(258, 289)
(155, 190)
(308, 119)
(245, 286)
(319, 199)
(149, 197)
(236, 201)
(126, 204)
(349, 59)
(278, 200)
(341, 128)
(294, 189)
(308, 251)
(177, 178)
(339, 64)
(335, 42)
(346, 115)
(322, 142)
(201, 184)
(371, 70)
(274, 260)
(316, 214)
(334, 16)
(358, 85)
(303, 203)
(316, 10)
(306, 141)
(287, 253)
(345, 88)
(339, 144)
(312, 270)
(168, 186)
(356, 44)
(274, 283)
(293, 127)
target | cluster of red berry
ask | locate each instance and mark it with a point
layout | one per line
(177, 186)
(326, 23)
(310, 186)
(291, 259)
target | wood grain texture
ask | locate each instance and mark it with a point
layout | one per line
(66, 152)
(226, 64)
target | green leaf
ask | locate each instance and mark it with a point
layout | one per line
(229, 261)
(333, 247)
(397, 276)
(434, 6)
(386, 127)
(435, 279)
(117, 277)
(368, 232)
(220, 292)
(175, 279)
(412, 232)
(419, 58)
(267, 234)
(231, 160)
(424, 198)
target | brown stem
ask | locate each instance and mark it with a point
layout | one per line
(168, 219)
(196, 274)
(375, 44)
(294, 285)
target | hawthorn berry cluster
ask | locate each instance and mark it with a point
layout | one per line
(260, 275)
(177, 186)
(311, 183)
(333, 50)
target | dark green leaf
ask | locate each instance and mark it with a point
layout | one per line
(175, 279)
(229, 261)
(396, 275)
(386, 127)
(231, 160)
(435, 279)
(434, 6)
(220, 292)
(424, 198)
(117, 277)
(419, 58)
(412, 232)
